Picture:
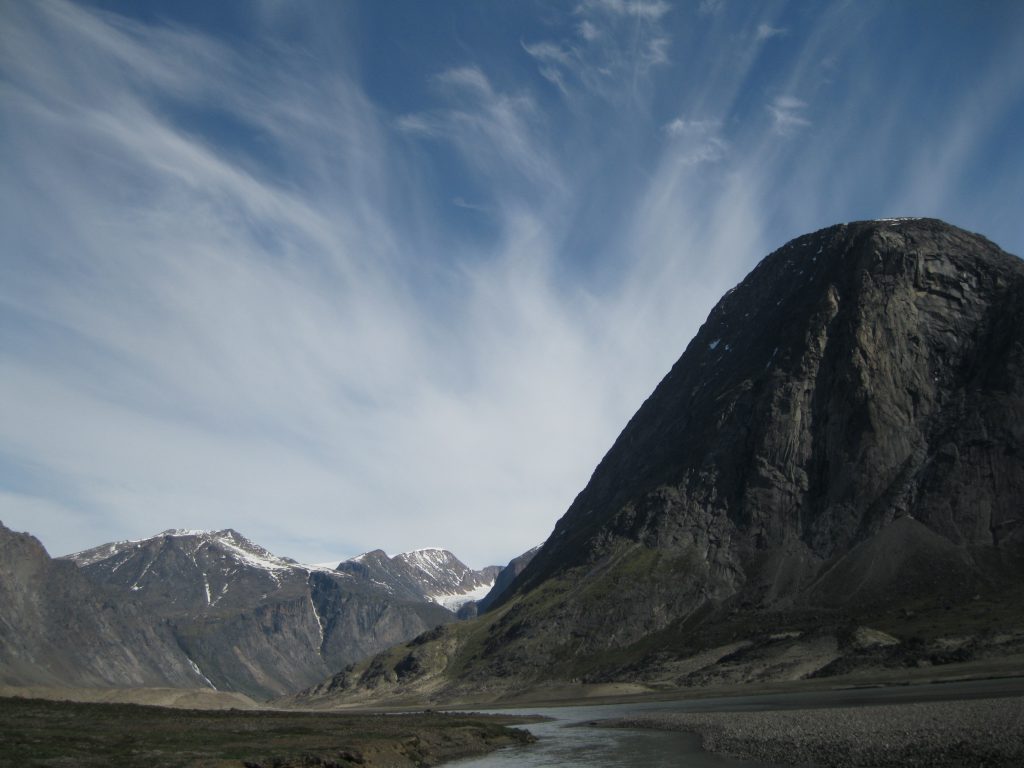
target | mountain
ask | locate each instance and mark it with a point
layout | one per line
(57, 628)
(505, 577)
(829, 477)
(433, 575)
(247, 620)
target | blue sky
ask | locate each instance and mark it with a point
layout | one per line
(395, 274)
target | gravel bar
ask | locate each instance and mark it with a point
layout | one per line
(979, 732)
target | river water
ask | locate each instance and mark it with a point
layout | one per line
(568, 740)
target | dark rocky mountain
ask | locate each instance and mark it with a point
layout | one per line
(502, 582)
(59, 629)
(505, 578)
(247, 620)
(840, 446)
(433, 575)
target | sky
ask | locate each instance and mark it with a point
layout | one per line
(357, 275)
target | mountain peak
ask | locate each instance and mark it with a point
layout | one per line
(208, 562)
(429, 573)
(812, 397)
(191, 608)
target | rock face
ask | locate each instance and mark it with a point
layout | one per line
(250, 621)
(433, 575)
(501, 583)
(57, 628)
(859, 375)
(505, 578)
(843, 437)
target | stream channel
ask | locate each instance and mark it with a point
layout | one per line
(568, 740)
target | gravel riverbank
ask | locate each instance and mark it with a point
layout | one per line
(960, 734)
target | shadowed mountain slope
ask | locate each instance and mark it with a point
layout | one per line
(506, 577)
(434, 575)
(57, 628)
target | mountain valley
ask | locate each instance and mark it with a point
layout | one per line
(211, 609)
(828, 482)
(826, 485)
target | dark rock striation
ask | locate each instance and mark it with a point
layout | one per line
(843, 437)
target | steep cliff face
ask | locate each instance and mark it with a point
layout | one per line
(251, 621)
(56, 628)
(843, 436)
(860, 374)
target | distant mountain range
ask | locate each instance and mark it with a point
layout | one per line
(434, 575)
(211, 608)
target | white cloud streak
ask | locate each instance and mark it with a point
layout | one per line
(283, 333)
(711, 7)
(617, 43)
(788, 114)
(484, 124)
(767, 31)
(642, 9)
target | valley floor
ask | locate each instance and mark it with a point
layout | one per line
(35, 732)
(954, 733)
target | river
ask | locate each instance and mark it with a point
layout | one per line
(567, 740)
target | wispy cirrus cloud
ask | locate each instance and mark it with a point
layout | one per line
(641, 9)
(767, 31)
(616, 43)
(787, 114)
(711, 7)
(495, 132)
(682, 126)
(697, 141)
(242, 286)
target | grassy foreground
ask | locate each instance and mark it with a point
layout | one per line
(34, 732)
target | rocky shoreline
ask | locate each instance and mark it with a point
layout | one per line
(938, 734)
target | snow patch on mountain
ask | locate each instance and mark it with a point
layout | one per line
(228, 541)
(431, 574)
(199, 672)
(455, 600)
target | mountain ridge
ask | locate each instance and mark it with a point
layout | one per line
(859, 395)
(56, 628)
(218, 611)
(428, 573)
(779, 272)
